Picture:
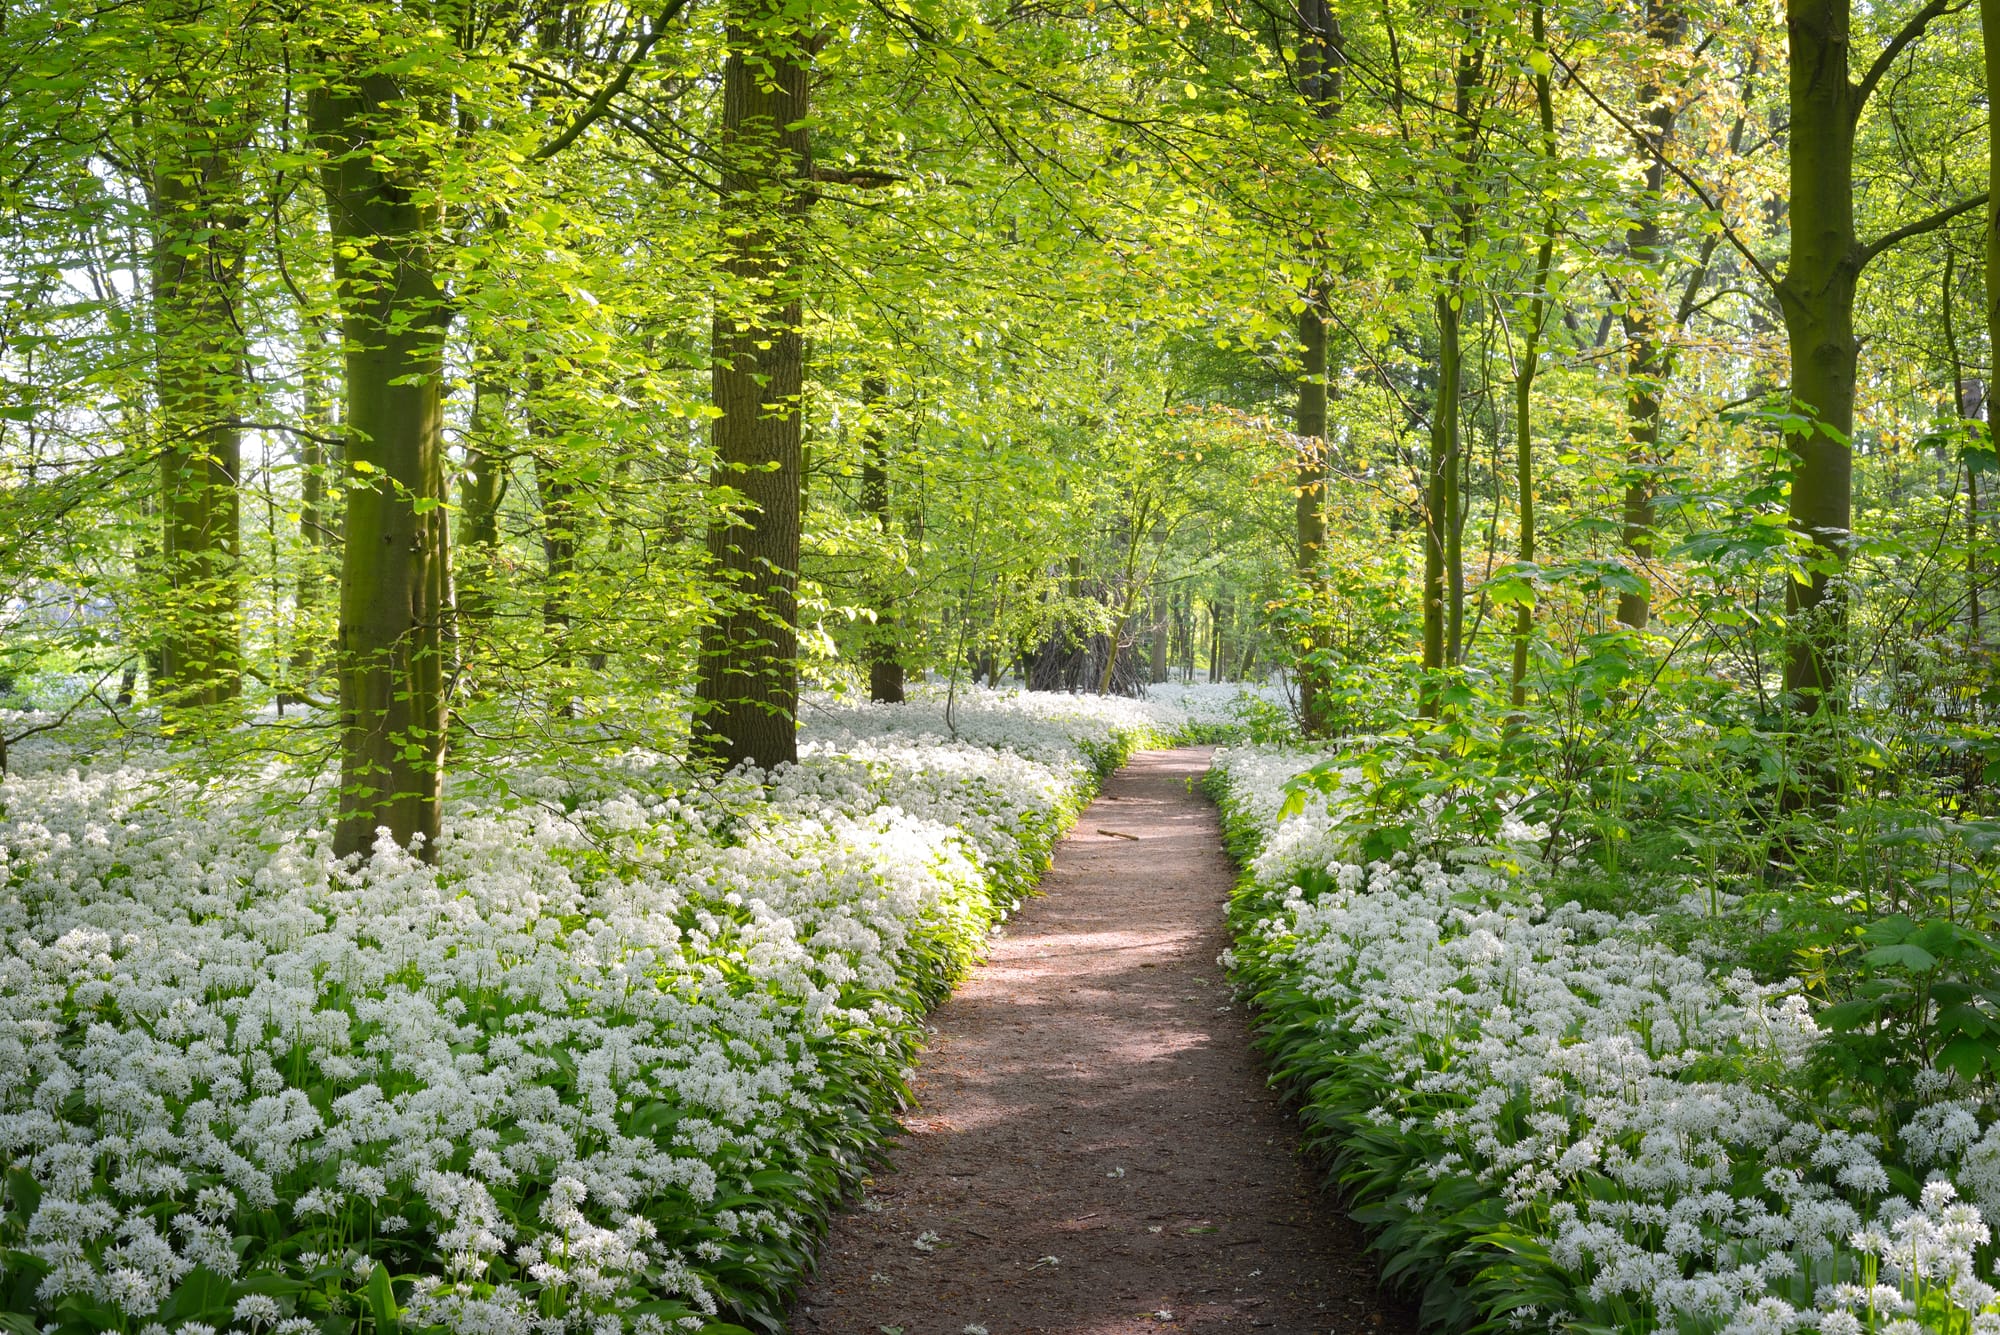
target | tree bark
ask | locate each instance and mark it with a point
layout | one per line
(316, 517)
(1989, 31)
(1441, 505)
(1524, 387)
(885, 660)
(1444, 575)
(395, 568)
(481, 489)
(1646, 354)
(1157, 667)
(747, 691)
(1321, 58)
(555, 498)
(1817, 297)
(199, 243)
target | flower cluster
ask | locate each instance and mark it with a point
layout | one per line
(1553, 1118)
(604, 1067)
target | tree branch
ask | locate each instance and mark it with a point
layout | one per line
(602, 100)
(1909, 33)
(1920, 226)
(1708, 201)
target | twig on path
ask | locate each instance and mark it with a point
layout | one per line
(1115, 834)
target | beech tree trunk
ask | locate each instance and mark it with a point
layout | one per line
(1524, 387)
(747, 692)
(1444, 575)
(1441, 505)
(1817, 297)
(395, 575)
(555, 498)
(481, 489)
(316, 515)
(885, 660)
(1989, 30)
(1646, 354)
(199, 243)
(1320, 60)
(1157, 646)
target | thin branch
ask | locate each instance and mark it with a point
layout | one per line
(1909, 33)
(602, 100)
(1708, 200)
(1920, 226)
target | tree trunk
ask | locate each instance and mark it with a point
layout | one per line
(555, 498)
(1524, 387)
(1817, 296)
(199, 242)
(1444, 576)
(1157, 668)
(1646, 355)
(885, 661)
(395, 575)
(1441, 504)
(1321, 57)
(481, 490)
(1989, 29)
(316, 518)
(748, 686)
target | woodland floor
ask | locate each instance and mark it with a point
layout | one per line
(1094, 1147)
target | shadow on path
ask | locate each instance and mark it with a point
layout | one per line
(1094, 1150)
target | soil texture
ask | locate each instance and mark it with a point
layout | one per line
(1095, 1150)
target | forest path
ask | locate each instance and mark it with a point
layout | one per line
(1094, 1150)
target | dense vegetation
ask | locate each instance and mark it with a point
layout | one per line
(429, 424)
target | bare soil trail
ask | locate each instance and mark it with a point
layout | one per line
(1095, 1151)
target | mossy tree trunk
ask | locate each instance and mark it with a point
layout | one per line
(395, 576)
(1646, 354)
(885, 659)
(1817, 297)
(196, 200)
(482, 488)
(1321, 58)
(747, 690)
(1524, 385)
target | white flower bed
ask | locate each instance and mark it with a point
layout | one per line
(1552, 1119)
(602, 1069)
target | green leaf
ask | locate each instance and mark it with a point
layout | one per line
(1905, 956)
(381, 1296)
(1847, 1015)
(202, 1295)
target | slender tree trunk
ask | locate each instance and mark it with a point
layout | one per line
(1321, 58)
(199, 242)
(1989, 29)
(315, 514)
(395, 574)
(1817, 296)
(1646, 353)
(748, 685)
(1157, 668)
(555, 498)
(1524, 387)
(1968, 401)
(1441, 505)
(885, 661)
(1444, 575)
(1128, 602)
(481, 490)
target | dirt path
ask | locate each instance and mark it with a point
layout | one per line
(1095, 1152)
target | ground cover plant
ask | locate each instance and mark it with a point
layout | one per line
(604, 1064)
(1557, 1116)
